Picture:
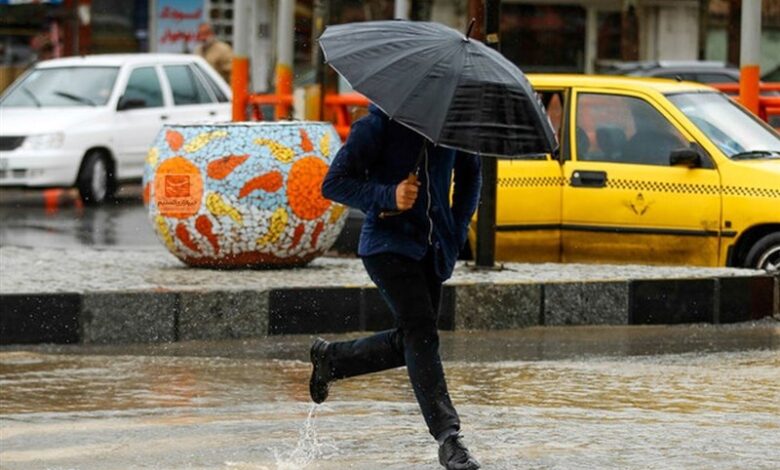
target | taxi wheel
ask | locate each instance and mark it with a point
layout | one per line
(765, 254)
(95, 181)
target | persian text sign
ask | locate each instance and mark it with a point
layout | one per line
(177, 24)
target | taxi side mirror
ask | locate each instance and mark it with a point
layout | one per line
(689, 157)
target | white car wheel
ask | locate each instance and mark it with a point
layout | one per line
(95, 179)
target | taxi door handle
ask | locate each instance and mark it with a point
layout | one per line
(589, 179)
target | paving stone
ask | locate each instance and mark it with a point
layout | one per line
(303, 311)
(744, 298)
(497, 306)
(223, 315)
(578, 303)
(129, 317)
(36, 318)
(671, 301)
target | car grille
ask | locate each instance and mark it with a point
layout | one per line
(10, 142)
(12, 174)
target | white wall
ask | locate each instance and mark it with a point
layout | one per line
(669, 32)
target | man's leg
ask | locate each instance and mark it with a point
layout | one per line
(413, 296)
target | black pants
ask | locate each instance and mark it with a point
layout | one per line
(412, 291)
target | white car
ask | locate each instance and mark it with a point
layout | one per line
(89, 121)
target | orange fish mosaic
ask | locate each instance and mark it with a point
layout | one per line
(243, 194)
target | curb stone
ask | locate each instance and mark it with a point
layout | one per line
(158, 315)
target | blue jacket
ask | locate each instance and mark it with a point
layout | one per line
(379, 154)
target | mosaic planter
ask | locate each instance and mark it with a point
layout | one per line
(239, 195)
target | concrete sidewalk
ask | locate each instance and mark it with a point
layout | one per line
(115, 296)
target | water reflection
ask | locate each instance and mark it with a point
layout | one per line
(56, 218)
(543, 398)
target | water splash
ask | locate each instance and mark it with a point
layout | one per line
(308, 449)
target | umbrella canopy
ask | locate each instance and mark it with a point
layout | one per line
(455, 91)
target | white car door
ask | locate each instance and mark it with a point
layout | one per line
(141, 112)
(192, 100)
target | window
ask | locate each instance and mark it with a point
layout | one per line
(734, 130)
(623, 129)
(715, 78)
(144, 85)
(677, 76)
(186, 88)
(215, 89)
(544, 38)
(63, 86)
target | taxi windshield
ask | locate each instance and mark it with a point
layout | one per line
(62, 86)
(736, 132)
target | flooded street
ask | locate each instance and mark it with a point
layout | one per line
(682, 397)
(56, 218)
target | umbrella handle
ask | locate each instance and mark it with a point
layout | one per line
(384, 214)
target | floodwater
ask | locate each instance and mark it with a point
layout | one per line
(660, 397)
(57, 218)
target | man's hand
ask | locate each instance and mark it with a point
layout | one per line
(406, 193)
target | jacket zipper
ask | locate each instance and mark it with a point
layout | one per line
(428, 190)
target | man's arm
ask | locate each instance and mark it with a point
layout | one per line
(465, 195)
(345, 181)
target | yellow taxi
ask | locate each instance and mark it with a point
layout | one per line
(649, 171)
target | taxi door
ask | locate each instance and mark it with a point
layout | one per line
(622, 200)
(528, 204)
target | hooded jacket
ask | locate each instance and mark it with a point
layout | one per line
(378, 155)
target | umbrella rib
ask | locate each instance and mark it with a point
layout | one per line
(366, 45)
(449, 106)
(427, 72)
(407, 53)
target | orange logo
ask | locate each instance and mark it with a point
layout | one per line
(178, 188)
(177, 185)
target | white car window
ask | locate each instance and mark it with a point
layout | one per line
(186, 88)
(144, 86)
(221, 97)
(63, 86)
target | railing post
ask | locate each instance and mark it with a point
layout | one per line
(239, 75)
(750, 54)
(285, 40)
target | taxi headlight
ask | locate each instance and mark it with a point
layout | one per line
(43, 141)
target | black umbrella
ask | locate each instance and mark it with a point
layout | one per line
(452, 89)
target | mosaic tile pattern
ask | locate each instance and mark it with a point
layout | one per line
(243, 194)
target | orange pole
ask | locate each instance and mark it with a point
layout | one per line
(750, 54)
(748, 87)
(239, 82)
(284, 87)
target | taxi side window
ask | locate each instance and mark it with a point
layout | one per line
(623, 129)
(553, 102)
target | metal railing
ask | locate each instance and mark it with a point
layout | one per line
(768, 100)
(339, 108)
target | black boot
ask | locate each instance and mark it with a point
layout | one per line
(321, 374)
(453, 455)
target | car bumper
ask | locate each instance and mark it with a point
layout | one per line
(40, 168)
